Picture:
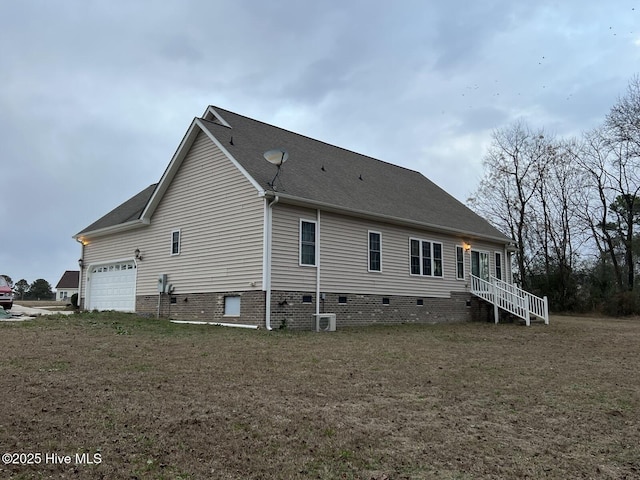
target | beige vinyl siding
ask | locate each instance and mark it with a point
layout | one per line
(220, 218)
(286, 272)
(219, 215)
(344, 257)
(345, 260)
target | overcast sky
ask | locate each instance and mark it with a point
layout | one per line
(95, 96)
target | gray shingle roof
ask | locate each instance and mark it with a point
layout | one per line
(126, 212)
(69, 279)
(320, 173)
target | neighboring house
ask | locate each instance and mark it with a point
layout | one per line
(225, 240)
(68, 285)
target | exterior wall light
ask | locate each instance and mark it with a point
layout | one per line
(80, 263)
(137, 254)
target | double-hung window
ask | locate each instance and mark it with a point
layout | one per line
(425, 257)
(307, 242)
(498, 262)
(375, 251)
(175, 242)
(459, 262)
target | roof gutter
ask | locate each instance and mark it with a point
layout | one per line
(388, 218)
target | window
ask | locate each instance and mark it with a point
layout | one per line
(498, 265)
(232, 306)
(420, 302)
(437, 259)
(459, 262)
(175, 242)
(385, 301)
(307, 242)
(425, 258)
(375, 251)
(342, 300)
(307, 299)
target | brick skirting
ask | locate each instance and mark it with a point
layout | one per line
(206, 307)
(362, 310)
(295, 309)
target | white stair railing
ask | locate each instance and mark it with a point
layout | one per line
(510, 298)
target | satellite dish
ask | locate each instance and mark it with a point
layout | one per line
(277, 156)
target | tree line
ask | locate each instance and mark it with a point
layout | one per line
(572, 205)
(39, 289)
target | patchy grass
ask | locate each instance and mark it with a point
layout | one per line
(157, 400)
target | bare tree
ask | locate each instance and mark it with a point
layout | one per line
(593, 160)
(555, 212)
(514, 166)
(623, 120)
(561, 199)
(622, 127)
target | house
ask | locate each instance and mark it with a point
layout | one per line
(227, 236)
(68, 285)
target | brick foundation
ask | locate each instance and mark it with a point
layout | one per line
(206, 307)
(288, 308)
(295, 310)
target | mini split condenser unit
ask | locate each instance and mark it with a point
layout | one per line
(325, 322)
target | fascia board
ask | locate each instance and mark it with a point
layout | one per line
(303, 202)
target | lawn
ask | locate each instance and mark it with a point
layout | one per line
(147, 399)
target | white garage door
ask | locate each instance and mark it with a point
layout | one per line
(113, 287)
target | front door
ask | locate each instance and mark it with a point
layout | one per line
(480, 264)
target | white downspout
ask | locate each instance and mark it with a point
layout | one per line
(267, 256)
(318, 262)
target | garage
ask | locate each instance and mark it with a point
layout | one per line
(112, 287)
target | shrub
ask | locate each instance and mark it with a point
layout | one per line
(622, 303)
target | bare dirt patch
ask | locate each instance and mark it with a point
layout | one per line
(159, 400)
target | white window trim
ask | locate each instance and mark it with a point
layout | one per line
(464, 264)
(179, 232)
(369, 232)
(315, 243)
(432, 242)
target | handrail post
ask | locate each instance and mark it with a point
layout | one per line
(546, 310)
(526, 311)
